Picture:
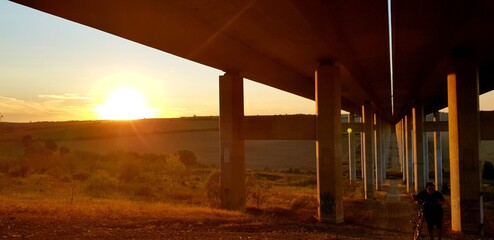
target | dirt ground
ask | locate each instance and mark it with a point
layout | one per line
(386, 218)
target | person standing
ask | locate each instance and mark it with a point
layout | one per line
(433, 209)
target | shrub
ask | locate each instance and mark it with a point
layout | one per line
(4, 166)
(101, 183)
(81, 176)
(174, 167)
(129, 170)
(144, 191)
(300, 203)
(258, 189)
(488, 170)
(18, 169)
(213, 189)
(187, 157)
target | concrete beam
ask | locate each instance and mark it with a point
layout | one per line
(290, 127)
(440, 126)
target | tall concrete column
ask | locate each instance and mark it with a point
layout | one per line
(399, 129)
(378, 151)
(438, 154)
(352, 167)
(368, 150)
(409, 153)
(464, 141)
(386, 140)
(362, 151)
(328, 143)
(418, 148)
(232, 153)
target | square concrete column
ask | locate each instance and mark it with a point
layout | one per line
(378, 151)
(400, 133)
(386, 140)
(232, 153)
(464, 141)
(409, 153)
(352, 167)
(368, 150)
(418, 148)
(438, 155)
(328, 144)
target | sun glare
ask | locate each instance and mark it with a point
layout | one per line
(125, 104)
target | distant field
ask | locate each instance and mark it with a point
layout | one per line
(159, 136)
(165, 136)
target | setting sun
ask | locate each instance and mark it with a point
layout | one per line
(125, 104)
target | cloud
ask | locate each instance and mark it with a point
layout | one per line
(47, 108)
(66, 96)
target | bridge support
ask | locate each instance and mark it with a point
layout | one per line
(328, 143)
(368, 150)
(400, 136)
(409, 153)
(438, 154)
(232, 153)
(419, 153)
(378, 151)
(464, 142)
(352, 166)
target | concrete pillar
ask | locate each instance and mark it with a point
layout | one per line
(378, 151)
(418, 148)
(352, 169)
(362, 151)
(464, 141)
(328, 143)
(409, 154)
(368, 150)
(438, 155)
(399, 129)
(232, 151)
(386, 140)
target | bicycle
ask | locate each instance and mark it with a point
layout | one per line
(418, 223)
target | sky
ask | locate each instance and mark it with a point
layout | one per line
(52, 69)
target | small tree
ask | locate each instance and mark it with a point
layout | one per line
(213, 188)
(187, 157)
(173, 167)
(258, 190)
(51, 145)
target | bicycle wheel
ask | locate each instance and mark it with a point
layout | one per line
(417, 231)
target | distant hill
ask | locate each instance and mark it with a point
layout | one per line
(160, 136)
(165, 136)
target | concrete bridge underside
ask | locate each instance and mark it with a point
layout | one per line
(336, 53)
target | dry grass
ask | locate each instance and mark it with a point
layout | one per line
(109, 209)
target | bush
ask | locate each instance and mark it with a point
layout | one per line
(101, 183)
(18, 169)
(258, 189)
(488, 170)
(129, 170)
(174, 167)
(188, 158)
(213, 189)
(144, 191)
(300, 203)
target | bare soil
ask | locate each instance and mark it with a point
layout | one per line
(384, 218)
